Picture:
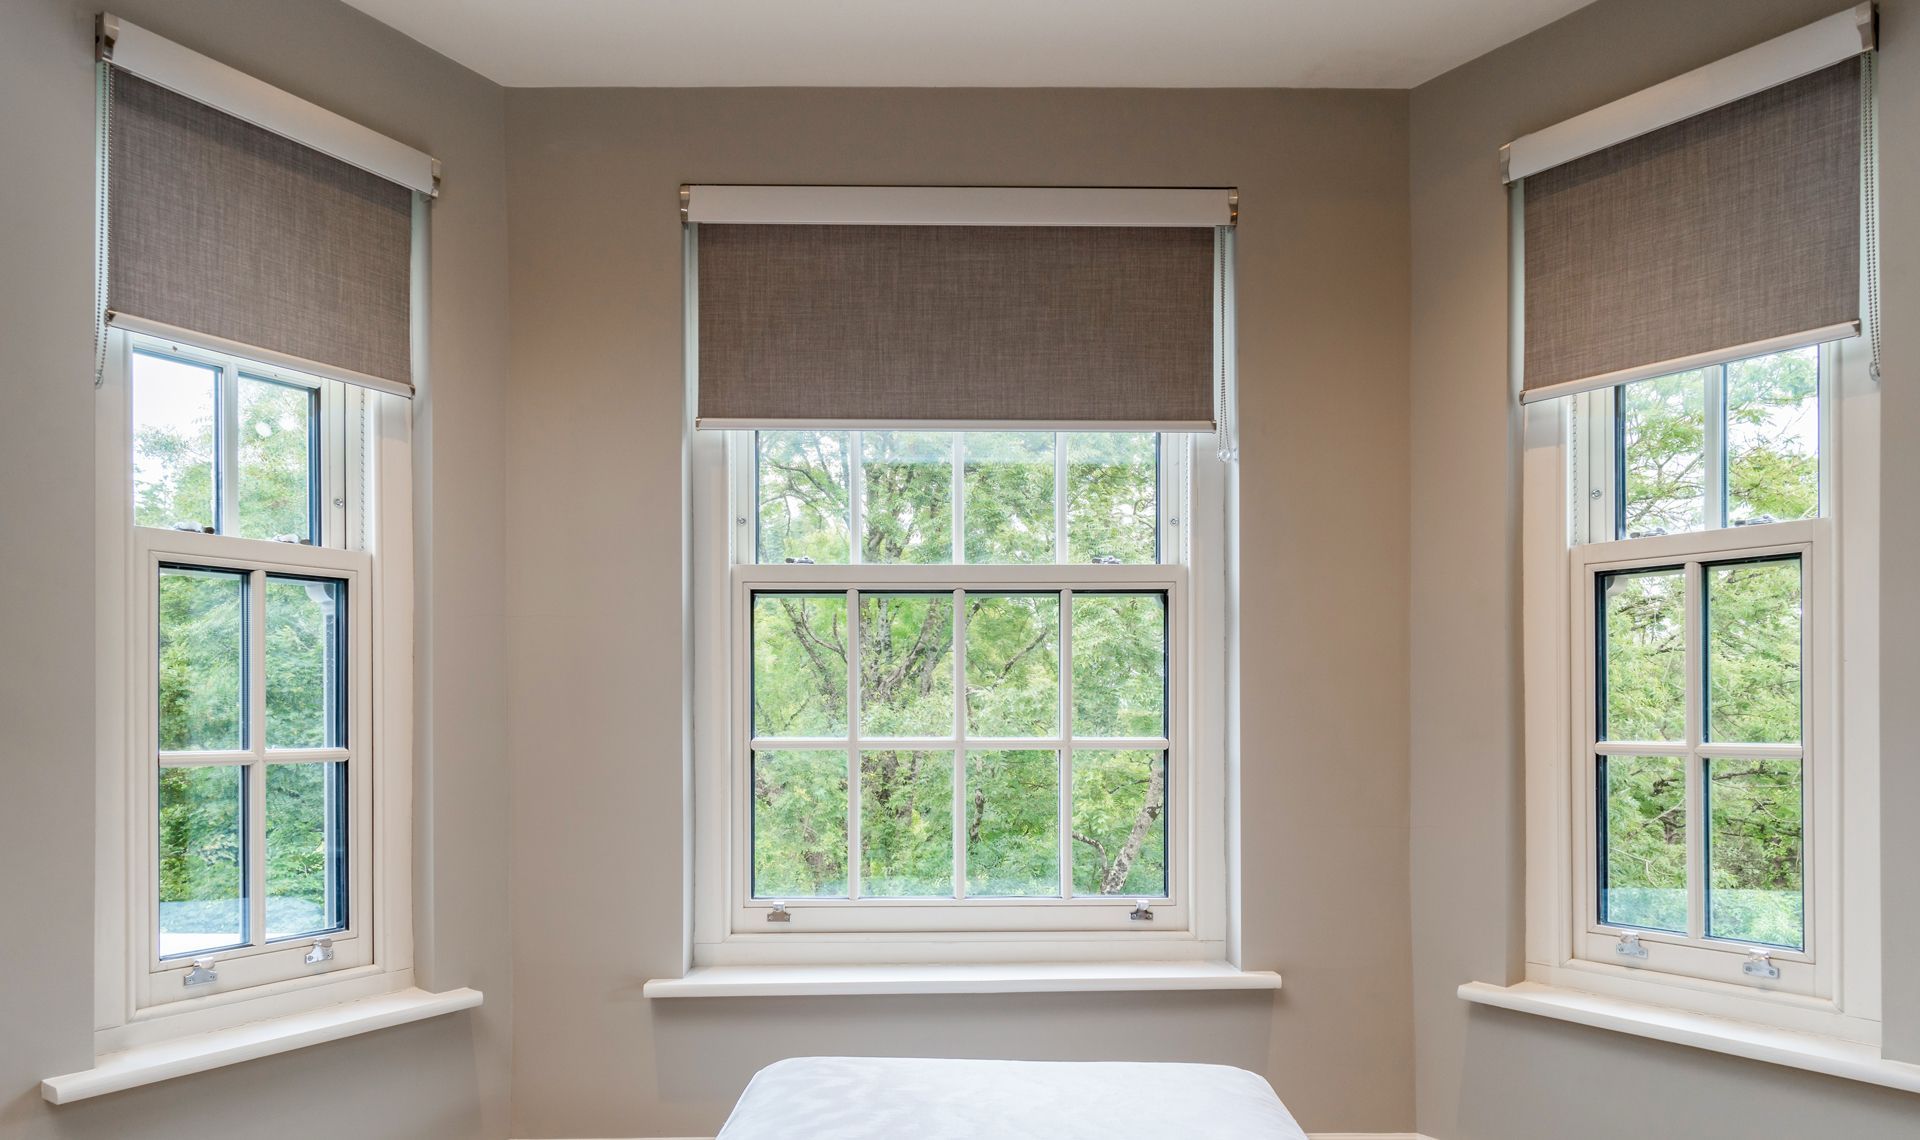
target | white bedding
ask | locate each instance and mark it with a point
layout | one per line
(901, 1098)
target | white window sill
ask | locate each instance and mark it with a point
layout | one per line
(983, 978)
(148, 1064)
(1810, 1051)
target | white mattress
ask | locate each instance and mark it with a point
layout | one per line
(900, 1098)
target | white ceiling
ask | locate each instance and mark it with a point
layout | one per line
(964, 43)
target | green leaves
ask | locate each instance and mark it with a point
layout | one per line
(800, 664)
(800, 824)
(1748, 694)
(203, 659)
(896, 488)
(1013, 664)
(1644, 879)
(1013, 824)
(1645, 655)
(1768, 456)
(1753, 652)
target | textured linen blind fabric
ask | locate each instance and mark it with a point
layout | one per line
(1736, 226)
(1047, 326)
(222, 228)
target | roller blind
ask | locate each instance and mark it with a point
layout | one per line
(226, 230)
(1729, 233)
(1046, 326)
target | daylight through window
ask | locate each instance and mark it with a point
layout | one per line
(961, 667)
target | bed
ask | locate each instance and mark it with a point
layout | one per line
(904, 1098)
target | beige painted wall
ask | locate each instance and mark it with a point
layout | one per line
(595, 588)
(441, 1078)
(556, 717)
(1487, 1074)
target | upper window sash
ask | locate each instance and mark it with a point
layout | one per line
(1785, 399)
(246, 409)
(751, 542)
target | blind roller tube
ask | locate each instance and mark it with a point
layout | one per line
(136, 51)
(959, 206)
(1783, 59)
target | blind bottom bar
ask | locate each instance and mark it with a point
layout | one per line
(1841, 331)
(212, 343)
(710, 423)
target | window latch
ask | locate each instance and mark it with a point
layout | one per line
(1141, 912)
(1106, 560)
(322, 951)
(800, 560)
(779, 913)
(201, 974)
(1629, 946)
(1759, 964)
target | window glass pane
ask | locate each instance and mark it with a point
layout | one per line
(173, 442)
(1120, 823)
(277, 477)
(203, 660)
(906, 664)
(1643, 655)
(1753, 851)
(306, 670)
(803, 479)
(306, 848)
(907, 495)
(799, 825)
(1009, 486)
(1773, 437)
(203, 859)
(800, 665)
(1013, 824)
(1013, 664)
(1643, 864)
(1119, 664)
(1113, 497)
(1663, 430)
(1753, 652)
(906, 824)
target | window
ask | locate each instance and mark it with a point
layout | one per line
(244, 512)
(1705, 808)
(959, 667)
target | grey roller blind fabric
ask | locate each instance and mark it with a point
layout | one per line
(222, 228)
(1734, 228)
(1048, 326)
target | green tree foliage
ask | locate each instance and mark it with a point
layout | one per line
(1113, 497)
(204, 632)
(1013, 824)
(1009, 489)
(1010, 797)
(1773, 437)
(1664, 428)
(1752, 631)
(906, 823)
(908, 492)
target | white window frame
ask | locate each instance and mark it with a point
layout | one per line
(729, 927)
(1832, 986)
(365, 540)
